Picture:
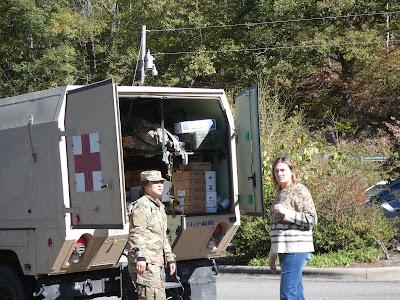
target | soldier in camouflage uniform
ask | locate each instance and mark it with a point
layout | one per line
(148, 241)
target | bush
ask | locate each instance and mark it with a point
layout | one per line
(252, 238)
(333, 259)
(345, 258)
(335, 177)
(344, 223)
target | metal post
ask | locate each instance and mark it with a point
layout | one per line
(143, 53)
(387, 27)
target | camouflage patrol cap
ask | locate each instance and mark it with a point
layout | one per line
(152, 175)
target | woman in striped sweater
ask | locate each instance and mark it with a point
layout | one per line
(292, 217)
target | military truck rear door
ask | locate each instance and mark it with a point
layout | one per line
(94, 157)
(248, 152)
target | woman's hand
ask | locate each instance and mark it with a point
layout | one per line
(272, 264)
(140, 267)
(279, 210)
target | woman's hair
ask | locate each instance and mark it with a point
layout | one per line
(144, 183)
(286, 160)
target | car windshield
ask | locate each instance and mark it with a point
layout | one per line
(392, 205)
(395, 185)
(386, 196)
(386, 193)
(375, 190)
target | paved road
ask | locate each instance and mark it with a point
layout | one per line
(263, 287)
(266, 287)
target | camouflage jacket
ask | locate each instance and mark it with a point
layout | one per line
(148, 240)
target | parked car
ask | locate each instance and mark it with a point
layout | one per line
(387, 195)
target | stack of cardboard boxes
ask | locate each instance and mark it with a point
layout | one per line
(133, 185)
(195, 188)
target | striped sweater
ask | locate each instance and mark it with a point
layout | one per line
(293, 232)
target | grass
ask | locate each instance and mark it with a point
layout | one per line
(333, 259)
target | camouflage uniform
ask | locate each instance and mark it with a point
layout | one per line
(148, 242)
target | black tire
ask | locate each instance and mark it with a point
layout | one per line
(12, 285)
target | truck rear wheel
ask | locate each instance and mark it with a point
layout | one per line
(12, 284)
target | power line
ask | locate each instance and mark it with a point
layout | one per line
(274, 22)
(271, 48)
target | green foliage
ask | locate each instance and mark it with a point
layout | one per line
(252, 238)
(345, 257)
(338, 191)
(54, 68)
(333, 173)
(335, 65)
(353, 230)
(333, 259)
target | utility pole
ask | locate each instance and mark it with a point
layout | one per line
(142, 55)
(387, 27)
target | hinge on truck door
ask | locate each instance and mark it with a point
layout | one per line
(70, 132)
(71, 210)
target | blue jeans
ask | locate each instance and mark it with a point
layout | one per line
(292, 265)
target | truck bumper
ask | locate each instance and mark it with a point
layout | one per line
(80, 285)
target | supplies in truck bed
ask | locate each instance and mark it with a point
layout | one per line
(194, 126)
(195, 191)
(147, 139)
(203, 140)
(197, 166)
(132, 178)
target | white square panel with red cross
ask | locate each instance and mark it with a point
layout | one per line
(88, 174)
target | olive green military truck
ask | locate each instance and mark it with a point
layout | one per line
(70, 160)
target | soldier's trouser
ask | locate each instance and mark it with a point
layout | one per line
(150, 293)
(150, 286)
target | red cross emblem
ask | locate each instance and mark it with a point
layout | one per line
(88, 175)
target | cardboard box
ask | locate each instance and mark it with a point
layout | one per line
(195, 179)
(188, 184)
(191, 205)
(132, 178)
(196, 125)
(192, 192)
(210, 181)
(197, 166)
(167, 196)
(211, 202)
(197, 196)
(127, 141)
(188, 175)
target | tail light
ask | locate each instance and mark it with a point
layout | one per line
(215, 238)
(217, 233)
(80, 245)
(79, 249)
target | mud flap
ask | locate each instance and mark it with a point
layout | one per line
(203, 284)
(196, 281)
